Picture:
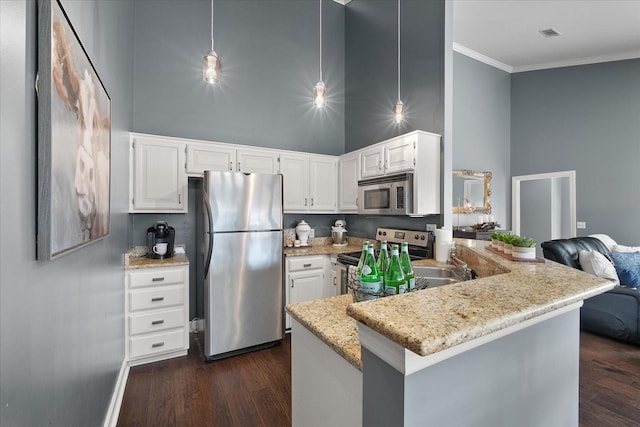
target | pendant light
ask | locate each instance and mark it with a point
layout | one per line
(398, 110)
(211, 63)
(320, 89)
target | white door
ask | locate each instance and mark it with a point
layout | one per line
(202, 157)
(323, 184)
(257, 161)
(295, 181)
(159, 180)
(399, 155)
(348, 184)
(371, 162)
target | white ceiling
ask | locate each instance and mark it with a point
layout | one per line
(504, 33)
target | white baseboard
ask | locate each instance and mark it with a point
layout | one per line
(111, 419)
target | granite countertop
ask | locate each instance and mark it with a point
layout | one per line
(432, 320)
(136, 258)
(327, 319)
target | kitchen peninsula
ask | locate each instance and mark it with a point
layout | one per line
(500, 350)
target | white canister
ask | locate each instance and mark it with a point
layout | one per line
(302, 231)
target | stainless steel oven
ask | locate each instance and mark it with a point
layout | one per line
(388, 195)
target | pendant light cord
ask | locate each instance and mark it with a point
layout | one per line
(398, 50)
(212, 25)
(320, 40)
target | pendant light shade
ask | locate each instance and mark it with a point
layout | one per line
(320, 89)
(211, 67)
(320, 94)
(211, 64)
(398, 109)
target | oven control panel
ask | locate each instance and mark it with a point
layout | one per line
(415, 238)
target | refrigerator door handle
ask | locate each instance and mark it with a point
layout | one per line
(207, 206)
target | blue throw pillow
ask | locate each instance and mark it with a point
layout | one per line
(628, 268)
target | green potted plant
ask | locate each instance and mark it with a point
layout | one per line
(507, 243)
(523, 248)
(495, 239)
(501, 237)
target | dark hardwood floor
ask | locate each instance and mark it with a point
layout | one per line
(254, 389)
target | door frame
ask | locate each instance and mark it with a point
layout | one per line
(515, 196)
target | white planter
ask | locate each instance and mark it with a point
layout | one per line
(495, 243)
(507, 248)
(500, 246)
(524, 253)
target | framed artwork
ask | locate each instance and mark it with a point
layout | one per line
(74, 140)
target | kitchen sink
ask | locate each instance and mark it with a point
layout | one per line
(431, 277)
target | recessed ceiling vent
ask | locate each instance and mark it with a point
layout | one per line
(549, 32)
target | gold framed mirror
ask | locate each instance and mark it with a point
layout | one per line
(471, 191)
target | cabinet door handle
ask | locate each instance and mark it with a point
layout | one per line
(157, 299)
(306, 265)
(157, 279)
(157, 344)
(292, 283)
(385, 165)
(312, 201)
(157, 322)
(335, 281)
(356, 201)
(305, 201)
(379, 165)
(238, 166)
(179, 199)
(230, 166)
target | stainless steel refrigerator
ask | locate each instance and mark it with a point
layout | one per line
(243, 288)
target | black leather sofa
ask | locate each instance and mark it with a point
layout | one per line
(614, 314)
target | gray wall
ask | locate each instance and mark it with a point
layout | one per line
(481, 130)
(584, 118)
(61, 322)
(269, 52)
(371, 69)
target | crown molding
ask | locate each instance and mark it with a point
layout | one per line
(579, 61)
(482, 58)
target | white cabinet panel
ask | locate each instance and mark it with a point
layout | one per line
(305, 280)
(157, 174)
(400, 155)
(257, 161)
(371, 161)
(213, 157)
(295, 180)
(323, 183)
(348, 183)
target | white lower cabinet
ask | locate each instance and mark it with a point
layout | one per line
(305, 280)
(157, 313)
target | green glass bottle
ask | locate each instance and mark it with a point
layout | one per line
(395, 281)
(363, 254)
(370, 280)
(405, 261)
(383, 260)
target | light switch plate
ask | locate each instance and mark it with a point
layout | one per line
(581, 225)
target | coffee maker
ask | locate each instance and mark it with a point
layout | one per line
(160, 238)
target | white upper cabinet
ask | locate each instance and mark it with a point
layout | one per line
(348, 176)
(371, 161)
(323, 183)
(257, 161)
(399, 154)
(310, 182)
(295, 180)
(393, 156)
(157, 179)
(213, 157)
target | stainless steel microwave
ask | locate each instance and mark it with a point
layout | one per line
(387, 195)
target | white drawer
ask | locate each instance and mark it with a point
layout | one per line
(155, 321)
(158, 297)
(146, 345)
(156, 276)
(306, 263)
